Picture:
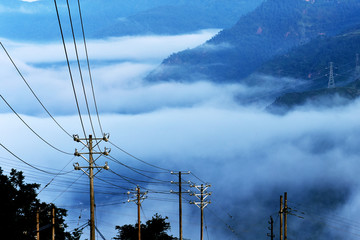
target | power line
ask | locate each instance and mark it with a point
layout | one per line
(33, 129)
(68, 187)
(136, 158)
(27, 84)
(30, 165)
(69, 68)
(79, 66)
(197, 177)
(88, 64)
(132, 169)
(55, 176)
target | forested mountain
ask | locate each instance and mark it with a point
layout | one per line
(311, 61)
(272, 29)
(321, 98)
(37, 20)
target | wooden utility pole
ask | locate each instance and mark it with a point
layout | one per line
(139, 206)
(281, 212)
(38, 224)
(202, 213)
(271, 228)
(139, 198)
(92, 198)
(202, 204)
(90, 173)
(180, 209)
(285, 216)
(53, 223)
(180, 202)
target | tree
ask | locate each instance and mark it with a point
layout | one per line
(154, 229)
(19, 204)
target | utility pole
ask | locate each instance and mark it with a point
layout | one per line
(53, 223)
(140, 196)
(285, 215)
(202, 204)
(38, 224)
(90, 170)
(271, 228)
(180, 201)
(281, 212)
(331, 83)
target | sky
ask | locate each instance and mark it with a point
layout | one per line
(248, 155)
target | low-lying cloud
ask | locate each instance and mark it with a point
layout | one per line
(248, 155)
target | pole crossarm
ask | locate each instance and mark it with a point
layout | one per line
(202, 204)
(179, 183)
(140, 197)
(89, 170)
(201, 196)
(137, 195)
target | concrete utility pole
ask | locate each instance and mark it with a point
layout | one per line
(139, 198)
(90, 170)
(180, 201)
(331, 83)
(271, 228)
(202, 204)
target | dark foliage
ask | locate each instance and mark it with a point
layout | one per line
(154, 229)
(19, 205)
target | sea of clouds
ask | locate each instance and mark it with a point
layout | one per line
(249, 156)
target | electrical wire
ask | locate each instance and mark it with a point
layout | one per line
(33, 129)
(132, 169)
(27, 84)
(69, 68)
(112, 183)
(136, 158)
(30, 165)
(197, 177)
(79, 66)
(207, 233)
(88, 64)
(55, 176)
(67, 188)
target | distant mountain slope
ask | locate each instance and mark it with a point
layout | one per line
(271, 29)
(311, 61)
(177, 19)
(37, 20)
(323, 98)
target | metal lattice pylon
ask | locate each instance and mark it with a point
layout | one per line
(331, 83)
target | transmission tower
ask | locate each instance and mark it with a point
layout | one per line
(357, 68)
(139, 197)
(331, 83)
(90, 170)
(180, 199)
(202, 204)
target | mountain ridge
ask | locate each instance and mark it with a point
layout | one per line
(272, 29)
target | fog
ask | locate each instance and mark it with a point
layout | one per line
(248, 155)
